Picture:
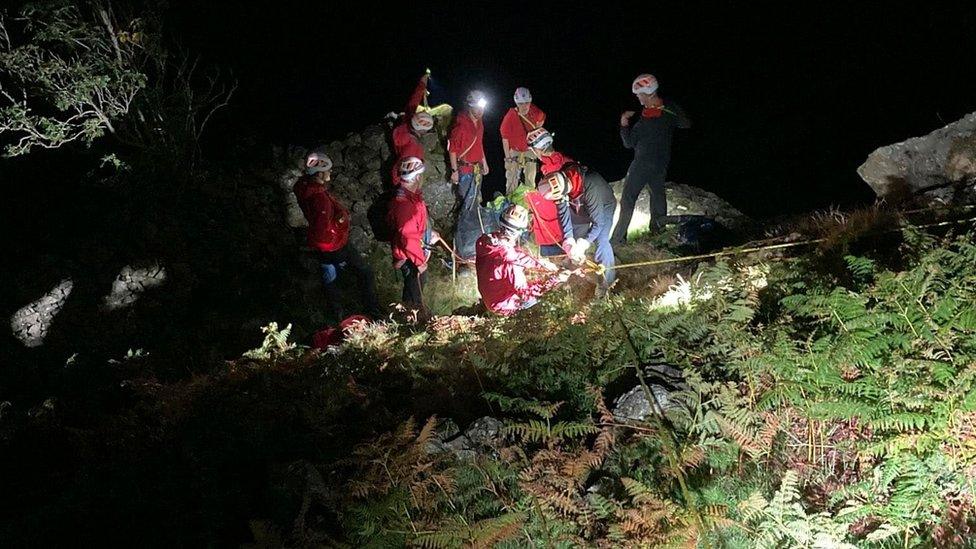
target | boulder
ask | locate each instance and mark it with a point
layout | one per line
(634, 404)
(486, 431)
(939, 167)
(683, 200)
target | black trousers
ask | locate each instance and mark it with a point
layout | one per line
(341, 261)
(641, 175)
(413, 284)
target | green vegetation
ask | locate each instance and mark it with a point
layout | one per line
(825, 402)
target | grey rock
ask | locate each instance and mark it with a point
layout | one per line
(374, 137)
(634, 405)
(353, 138)
(30, 323)
(684, 200)
(357, 237)
(603, 486)
(927, 164)
(371, 182)
(486, 431)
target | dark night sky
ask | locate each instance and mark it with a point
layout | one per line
(786, 101)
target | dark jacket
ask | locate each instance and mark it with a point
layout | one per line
(594, 206)
(650, 137)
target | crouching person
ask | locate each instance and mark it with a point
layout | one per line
(502, 264)
(412, 235)
(584, 198)
(328, 235)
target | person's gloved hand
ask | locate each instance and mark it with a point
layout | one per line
(435, 237)
(568, 246)
(578, 252)
(563, 276)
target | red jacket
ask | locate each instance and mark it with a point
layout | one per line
(501, 269)
(405, 142)
(467, 140)
(328, 220)
(545, 220)
(516, 127)
(407, 217)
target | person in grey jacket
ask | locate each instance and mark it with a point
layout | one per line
(650, 138)
(585, 204)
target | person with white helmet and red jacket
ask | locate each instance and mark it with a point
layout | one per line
(406, 135)
(465, 147)
(328, 234)
(548, 225)
(521, 119)
(502, 267)
(412, 234)
(649, 135)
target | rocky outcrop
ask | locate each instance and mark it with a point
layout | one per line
(684, 200)
(939, 167)
(483, 435)
(662, 379)
(30, 324)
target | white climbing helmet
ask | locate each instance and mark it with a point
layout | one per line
(317, 161)
(422, 122)
(553, 186)
(411, 167)
(523, 95)
(645, 83)
(515, 218)
(539, 138)
(476, 98)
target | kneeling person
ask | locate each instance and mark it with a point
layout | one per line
(502, 264)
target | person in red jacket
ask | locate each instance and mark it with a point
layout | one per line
(502, 264)
(412, 233)
(551, 161)
(328, 234)
(521, 119)
(407, 134)
(546, 229)
(465, 147)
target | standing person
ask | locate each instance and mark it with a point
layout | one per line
(412, 234)
(328, 235)
(465, 148)
(407, 134)
(521, 119)
(650, 138)
(502, 264)
(584, 198)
